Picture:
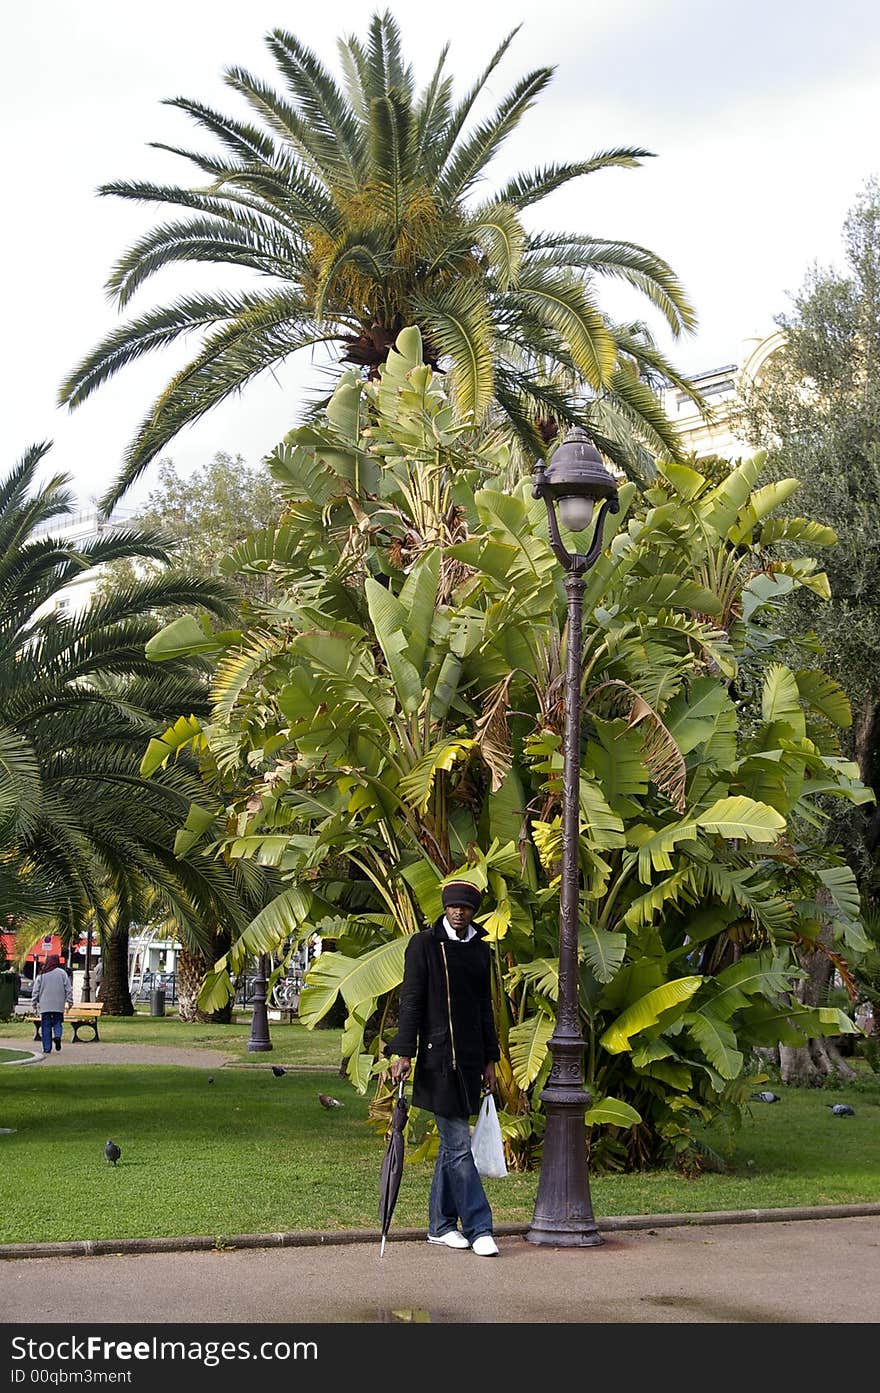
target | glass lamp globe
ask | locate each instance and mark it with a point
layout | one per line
(576, 513)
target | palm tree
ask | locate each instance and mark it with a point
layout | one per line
(357, 209)
(85, 840)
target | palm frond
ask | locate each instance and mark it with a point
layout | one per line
(230, 359)
(201, 239)
(458, 324)
(246, 142)
(501, 235)
(626, 261)
(526, 189)
(565, 306)
(468, 161)
(332, 135)
(153, 330)
(432, 112)
(441, 149)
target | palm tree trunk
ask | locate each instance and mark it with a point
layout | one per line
(810, 1064)
(866, 748)
(113, 990)
(191, 968)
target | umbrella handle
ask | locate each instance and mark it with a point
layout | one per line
(400, 1089)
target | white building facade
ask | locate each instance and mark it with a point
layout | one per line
(721, 388)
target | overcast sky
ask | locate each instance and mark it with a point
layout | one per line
(762, 114)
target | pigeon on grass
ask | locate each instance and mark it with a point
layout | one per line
(112, 1152)
(766, 1096)
(278, 1071)
(842, 1110)
(327, 1102)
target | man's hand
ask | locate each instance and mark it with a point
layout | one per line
(400, 1067)
(489, 1076)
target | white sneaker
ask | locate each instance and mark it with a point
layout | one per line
(485, 1246)
(452, 1239)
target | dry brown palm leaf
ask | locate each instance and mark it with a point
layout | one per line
(492, 731)
(453, 573)
(662, 757)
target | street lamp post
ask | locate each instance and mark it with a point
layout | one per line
(87, 975)
(259, 1040)
(573, 482)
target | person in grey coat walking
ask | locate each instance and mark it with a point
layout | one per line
(52, 992)
(446, 1023)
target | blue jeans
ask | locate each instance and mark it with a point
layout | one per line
(50, 1024)
(457, 1190)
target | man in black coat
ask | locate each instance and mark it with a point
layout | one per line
(446, 1023)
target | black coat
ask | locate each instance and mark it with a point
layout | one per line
(442, 978)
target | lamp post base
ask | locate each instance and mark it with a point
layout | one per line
(259, 1040)
(563, 1216)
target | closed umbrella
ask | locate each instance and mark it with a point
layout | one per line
(392, 1166)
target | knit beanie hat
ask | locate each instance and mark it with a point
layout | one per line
(461, 892)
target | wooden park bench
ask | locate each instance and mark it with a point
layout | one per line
(87, 1013)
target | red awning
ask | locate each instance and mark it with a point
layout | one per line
(40, 951)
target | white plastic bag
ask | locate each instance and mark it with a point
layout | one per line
(486, 1143)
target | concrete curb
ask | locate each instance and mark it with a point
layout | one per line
(33, 1057)
(120, 1247)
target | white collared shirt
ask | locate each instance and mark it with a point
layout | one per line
(450, 932)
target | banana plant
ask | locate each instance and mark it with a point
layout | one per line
(395, 714)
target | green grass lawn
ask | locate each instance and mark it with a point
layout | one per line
(291, 1043)
(252, 1153)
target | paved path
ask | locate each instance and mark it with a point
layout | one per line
(811, 1271)
(99, 1052)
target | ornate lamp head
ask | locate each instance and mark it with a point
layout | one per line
(573, 482)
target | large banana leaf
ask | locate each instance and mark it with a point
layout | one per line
(743, 819)
(416, 786)
(662, 1002)
(418, 599)
(185, 731)
(766, 1023)
(843, 889)
(842, 886)
(663, 589)
(360, 1070)
(717, 1041)
(781, 699)
(613, 1111)
(618, 763)
(655, 847)
(688, 483)
(719, 508)
(358, 979)
(186, 637)
(198, 821)
(390, 622)
(604, 828)
(761, 502)
(644, 908)
(603, 951)
(542, 973)
(825, 695)
(282, 918)
(755, 974)
(811, 534)
(528, 1047)
(692, 717)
